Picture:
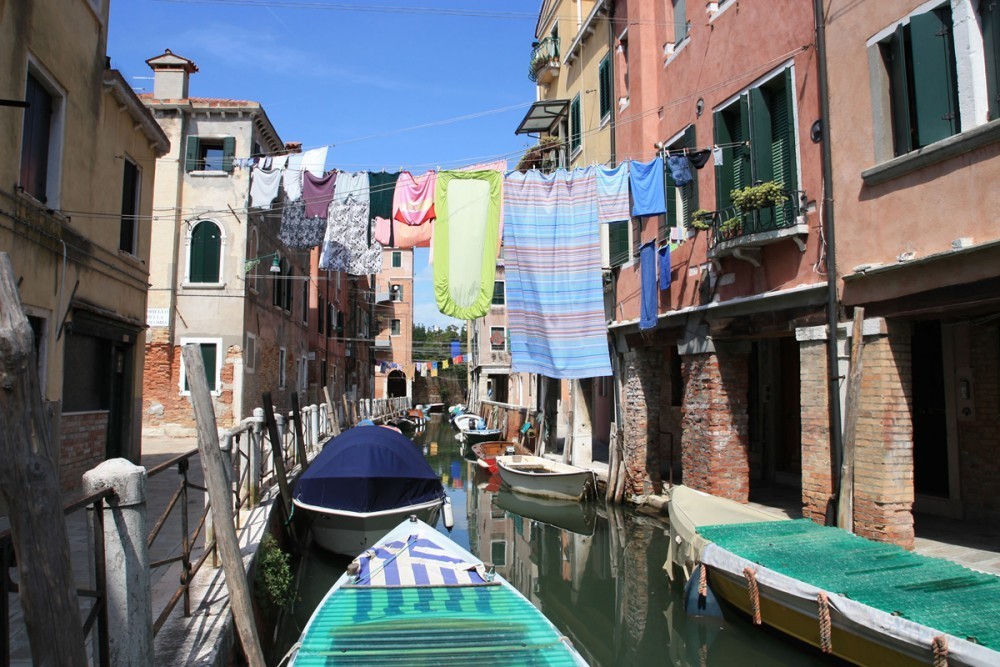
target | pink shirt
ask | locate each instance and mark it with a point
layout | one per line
(413, 199)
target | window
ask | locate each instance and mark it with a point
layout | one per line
(989, 11)
(618, 245)
(210, 154)
(282, 360)
(498, 552)
(395, 292)
(305, 302)
(394, 327)
(919, 58)
(623, 61)
(209, 357)
(680, 21)
(41, 140)
(281, 295)
(498, 340)
(205, 253)
(763, 116)
(250, 353)
(129, 232)
(498, 293)
(681, 201)
(320, 315)
(606, 87)
(397, 259)
(575, 131)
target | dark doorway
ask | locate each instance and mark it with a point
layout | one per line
(498, 383)
(930, 424)
(396, 384)
(775, 426)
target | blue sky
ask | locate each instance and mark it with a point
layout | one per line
(330, 76)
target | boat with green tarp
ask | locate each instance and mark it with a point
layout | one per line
(867, 602)
(417, 598)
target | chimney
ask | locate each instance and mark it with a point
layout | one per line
(170, 75)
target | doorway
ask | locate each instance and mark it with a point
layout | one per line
(395, 384)
(775, 426)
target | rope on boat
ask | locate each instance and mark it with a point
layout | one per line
(825, 625)
(703, 582)
(754, 593)
(940, 647)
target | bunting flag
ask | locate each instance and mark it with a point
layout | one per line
(456, 349)
(444, 364)
(458, 359)
(434, 373)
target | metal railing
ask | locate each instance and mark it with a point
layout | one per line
(544, 53)
(731, 223)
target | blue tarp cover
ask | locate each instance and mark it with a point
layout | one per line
(369, 470)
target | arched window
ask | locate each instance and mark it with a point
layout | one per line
(205, 253)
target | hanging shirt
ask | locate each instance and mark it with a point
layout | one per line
(293, 177)
(413, 198)
(647, 267)
(351, 184)
(382, 188)
(646, 179)
(264, 187)
(612, 193)
(314, 161)
(680, 169)
(383, 231)
(298, 231)
(317, 191)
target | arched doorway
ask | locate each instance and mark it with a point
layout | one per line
(396, 384)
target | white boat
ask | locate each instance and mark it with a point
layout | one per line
(345, 532)
(536, 476)
(469, 422)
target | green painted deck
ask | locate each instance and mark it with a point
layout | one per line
(930, 591)
(459, 625)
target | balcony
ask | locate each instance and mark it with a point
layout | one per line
(544, 63)
(741, 234)
(383, 343)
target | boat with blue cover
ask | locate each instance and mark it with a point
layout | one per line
(417, 598)
(363, 483)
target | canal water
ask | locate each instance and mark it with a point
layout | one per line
(595, 571)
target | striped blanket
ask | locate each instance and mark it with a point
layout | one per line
(555, 294)
(416, 562)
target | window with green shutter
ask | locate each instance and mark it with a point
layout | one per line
(205, 253)
(606, 86)
(498, 293)
(923, 84)
(989, 11)
(286, 278)
(618, 250)
(732, 129)
(397, 259)
(575, 131)
(210, 154)
(209, 357)
(681, 201)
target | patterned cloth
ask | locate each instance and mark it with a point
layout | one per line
(297, 231)
(555, 293)
(345, 246)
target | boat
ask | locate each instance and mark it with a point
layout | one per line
(570, 515)
(866, 602)
(536, 476)
(363, 483)
(469, 421)
(476, 436)
(416, 415)
(486, 452)
(417, 598)
(434, 408)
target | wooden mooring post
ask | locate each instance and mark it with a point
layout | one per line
(334, 418)
(278, 457)
(29, 483)
(226, 540)
(300, 444)
(845, 497)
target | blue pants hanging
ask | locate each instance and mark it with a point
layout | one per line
(647, 267)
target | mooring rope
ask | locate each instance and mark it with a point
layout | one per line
(754, 593)
(940, 647)
(703, 582)
(825, 625)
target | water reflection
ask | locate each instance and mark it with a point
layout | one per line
(594, 571)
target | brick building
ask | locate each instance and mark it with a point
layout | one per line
(393, 349)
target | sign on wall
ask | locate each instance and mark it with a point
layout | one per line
(158, 317)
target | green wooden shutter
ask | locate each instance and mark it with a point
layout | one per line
(689, 195)
(191, 156)
(209, 355)
(899, 92)
(228, 153)
(670, 194)
(761, 166)
(498, 294)
(574, 124)
(618, 242)
(935, 90)
(604, 79)
(990, 14)
(206, 243)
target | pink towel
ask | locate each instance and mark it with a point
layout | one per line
(383, 231)
(410, 236)
(413, 200)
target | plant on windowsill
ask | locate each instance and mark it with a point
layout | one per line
(761, 195)
(537, 157)
(702, 219)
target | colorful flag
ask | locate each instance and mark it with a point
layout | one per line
(459, 359)
(444, 364)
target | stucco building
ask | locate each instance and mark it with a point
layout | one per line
(393, 346)
(75, 210)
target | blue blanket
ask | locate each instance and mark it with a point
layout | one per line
(647, 266)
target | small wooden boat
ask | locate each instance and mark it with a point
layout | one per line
(476, 436)
(417, 598)
(536, 476)
(576, 517)
(416, 415)
(487, 452)
(866, 602)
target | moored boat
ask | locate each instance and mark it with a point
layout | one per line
(417, 598)
(476, 436)
(467, 422)
(487, 452)
(363, 483)
(537, 476)
(576, 517)
(865, 602)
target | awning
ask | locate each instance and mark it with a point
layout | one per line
(542, 116)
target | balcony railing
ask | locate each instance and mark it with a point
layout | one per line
(734, 230)
(544, 60)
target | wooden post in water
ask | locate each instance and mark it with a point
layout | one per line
(300, 444)
(334, 418)
(226, 540)
(277, 455)
(845, 498)
(29, 483)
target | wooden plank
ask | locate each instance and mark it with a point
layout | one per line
(214, 468)
(347, 411)
(29, 483)
(300, 443)
(332, 412)
(277, 455)
(845, 498)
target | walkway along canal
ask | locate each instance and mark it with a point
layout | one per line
(594, 571)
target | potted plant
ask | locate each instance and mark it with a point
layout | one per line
(761, 195)
(702, 219)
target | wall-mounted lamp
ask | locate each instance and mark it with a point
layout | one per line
(275, 265)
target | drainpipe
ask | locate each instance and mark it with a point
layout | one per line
(613, 121)
(833, 358)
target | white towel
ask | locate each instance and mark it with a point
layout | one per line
(314, 161)
(293, 177)
(264, 187)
